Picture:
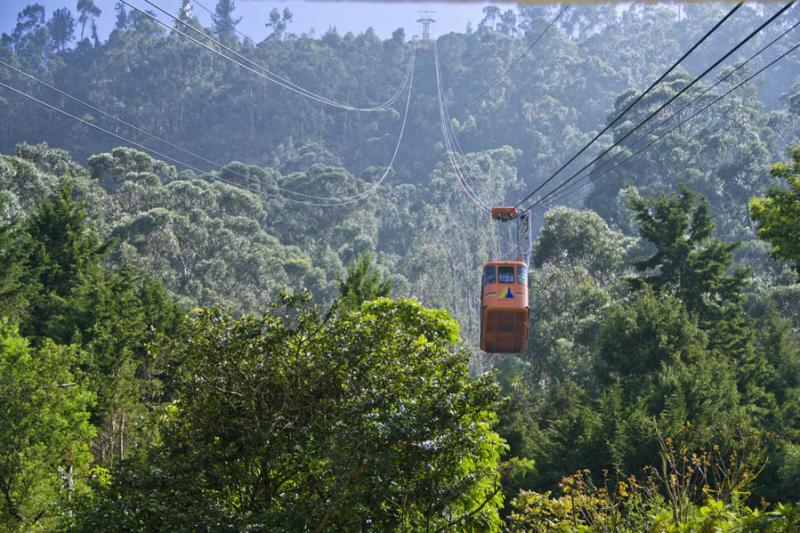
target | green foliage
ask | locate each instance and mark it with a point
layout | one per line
(572, 237)
(59, 290)
(689, 491)
(294, 420)
(14, 253)
(224, 23)
(778, 214)
(362, 284)
(606, 368)
(654, 362)
(587, 509)
(698, 268)
(65, 257)
(687, 260)
(44, 431)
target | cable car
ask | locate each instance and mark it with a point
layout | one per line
(504, 292)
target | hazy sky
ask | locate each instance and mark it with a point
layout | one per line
(384, 17)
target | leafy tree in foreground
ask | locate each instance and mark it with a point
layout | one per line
(342, 422)
(44, 431)
(654, 363)
(65, 257)
(778, 214)
(58, 289)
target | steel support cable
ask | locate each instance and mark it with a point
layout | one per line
(244, 36)
(448, 142)
(697, 97)
(265, 72)
(633, 103)
(163, 156)
(450, 147)
(307, 92)
(455, 146)
(214, 17)
(590, 178)
(451, 141)
(376, 185)
(124, 139)
(451, 154)
(148, 133)
(668, 102)
(520, 58)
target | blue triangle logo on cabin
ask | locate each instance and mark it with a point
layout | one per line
(507, 294)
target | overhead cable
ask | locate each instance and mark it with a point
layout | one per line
(124, 139)
(454, 146)
(633, 103)
(644, 136)
(348, 200)
(592, 177)
(144, 132)
(668, 102)
(165, 141)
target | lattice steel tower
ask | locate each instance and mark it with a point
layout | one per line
(426, 20)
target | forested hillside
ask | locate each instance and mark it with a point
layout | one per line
(197, 334)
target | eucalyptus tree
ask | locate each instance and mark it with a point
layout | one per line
(87, 12)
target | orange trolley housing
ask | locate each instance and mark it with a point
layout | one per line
(504, 307)
(504, 292)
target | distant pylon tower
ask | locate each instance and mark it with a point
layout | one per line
(425, 19)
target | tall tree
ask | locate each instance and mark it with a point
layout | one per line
(688, 259)
(224, 23)
(87, 12)
(278, 21)
(28, 20)
(16, 287)
(64, 257)
(122, 16)
(61, 27)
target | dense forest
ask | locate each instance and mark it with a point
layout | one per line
(190, 339)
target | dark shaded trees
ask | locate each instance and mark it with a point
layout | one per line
(61, 27)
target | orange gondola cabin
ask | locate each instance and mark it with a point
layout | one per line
(504, 296)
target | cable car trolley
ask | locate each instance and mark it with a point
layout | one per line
(504, 291)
